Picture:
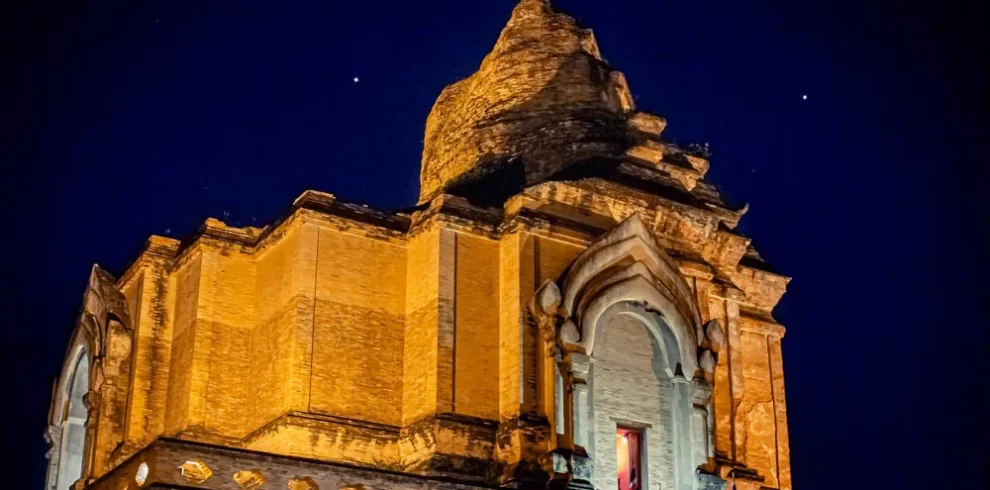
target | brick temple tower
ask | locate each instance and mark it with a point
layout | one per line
(567, 306)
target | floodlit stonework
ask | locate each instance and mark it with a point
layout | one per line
(566, 274)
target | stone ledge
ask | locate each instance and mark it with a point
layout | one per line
(760, 322)
(164, 456)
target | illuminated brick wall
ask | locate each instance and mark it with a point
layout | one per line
(405, 341)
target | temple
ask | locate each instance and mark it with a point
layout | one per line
(566, 306)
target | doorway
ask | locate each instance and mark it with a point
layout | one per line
(629, 458)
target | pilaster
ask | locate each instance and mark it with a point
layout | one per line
(780, 413)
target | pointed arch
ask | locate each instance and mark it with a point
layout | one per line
(638, 289)
(97, 363)
(626, 273)
(69, 415)
(627, 264)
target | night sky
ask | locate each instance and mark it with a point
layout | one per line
(126, 119)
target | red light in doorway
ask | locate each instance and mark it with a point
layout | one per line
(629, 458)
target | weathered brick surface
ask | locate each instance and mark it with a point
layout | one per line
(186, 287)
(281, 340)
(510, 324)
(405, 342)
(360, 312)
(756, 410)
(722, 392)
(146, 290)
(365, 329)
(476, 331)
(422, 316)
(543, 95)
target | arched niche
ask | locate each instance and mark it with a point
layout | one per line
(633, 287)
(93, 380)
(626, 264)
(636, 383)
(626, 278)
(69, 420)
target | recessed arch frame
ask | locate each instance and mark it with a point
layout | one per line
(626, 265)
(103, 337)
(63, 423)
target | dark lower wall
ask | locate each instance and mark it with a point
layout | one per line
(165, 459)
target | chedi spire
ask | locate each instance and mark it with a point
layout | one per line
(542, 99)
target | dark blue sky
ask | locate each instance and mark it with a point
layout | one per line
(130, 118)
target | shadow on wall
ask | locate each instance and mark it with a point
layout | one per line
(565, 121)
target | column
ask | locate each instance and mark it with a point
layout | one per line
(583, 424)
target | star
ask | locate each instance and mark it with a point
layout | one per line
(356, 79)
(804, 97)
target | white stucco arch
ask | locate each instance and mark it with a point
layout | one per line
(629, 243)
(68, 418)
(639, 289)
(626, 264)
(98, 358)
(666, 339)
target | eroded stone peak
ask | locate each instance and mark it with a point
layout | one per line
(541, 99)
(534, 24)
(532, 7)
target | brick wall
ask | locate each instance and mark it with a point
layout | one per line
(334, 339)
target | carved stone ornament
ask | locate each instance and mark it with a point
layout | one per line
(544, 307)
(303, 483)
(707, 361)
(715, 336)
(569, 333)
(141, 475)
(106, 324)
(101, 303)
(195, 471)
(624, 267)
(249, 479)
